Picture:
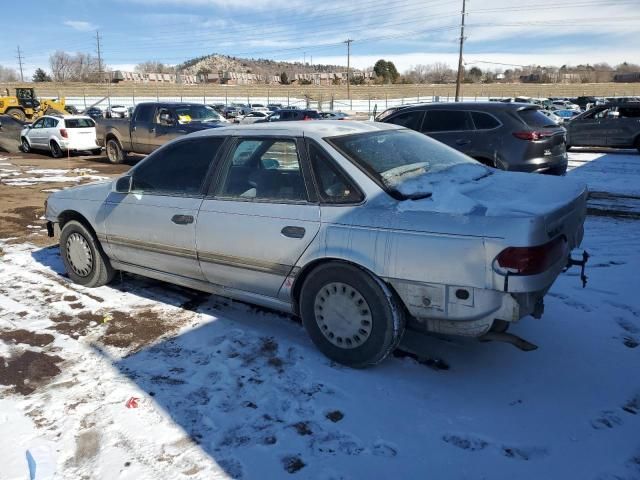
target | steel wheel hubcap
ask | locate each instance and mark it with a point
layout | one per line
(111, 151)
(79, 254)
(343, 315)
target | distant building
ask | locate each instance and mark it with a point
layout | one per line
(119, 76)
(631, 77)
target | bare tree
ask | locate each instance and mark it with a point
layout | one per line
(81, 67)
(8, 74)
(61, 66)
(154, 67)
(440, 72)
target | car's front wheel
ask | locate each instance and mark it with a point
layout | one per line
(83, 257)
(350, 315)
(26, 148)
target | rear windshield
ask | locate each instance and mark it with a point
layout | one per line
(534, 119)
(399, 160)
(311, 114)
(79, 123)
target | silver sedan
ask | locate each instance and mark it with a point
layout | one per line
(361, 229)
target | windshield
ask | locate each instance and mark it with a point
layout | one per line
(394, 157)
(196, 113)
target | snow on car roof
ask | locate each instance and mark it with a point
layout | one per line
(319, 128)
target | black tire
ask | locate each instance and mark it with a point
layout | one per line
(637, 144)
(96, 151)
(24, 146)
(56, 151)
(500, 326)
(100, 272)
(17, 114)
(386, 314)
(115, 154)
(568, 147)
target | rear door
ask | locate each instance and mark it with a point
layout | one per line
(451, 127)
(623, 129)
(260, 218)
(154, 226)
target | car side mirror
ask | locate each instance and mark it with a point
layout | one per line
(123, 184)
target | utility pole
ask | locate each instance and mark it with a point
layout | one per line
(459, 79)
(19, 57)
(99, 56)
(348, 42)
(305, 58)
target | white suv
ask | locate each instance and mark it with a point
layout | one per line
(60, 134)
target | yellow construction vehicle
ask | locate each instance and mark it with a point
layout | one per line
(26, 106)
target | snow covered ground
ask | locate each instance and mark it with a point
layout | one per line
(144, 380)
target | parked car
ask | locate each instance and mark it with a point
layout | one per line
(252, 117)
(70, 109)
(563, 105)
(71, 133)
(364, 228)
(293, 114)
(334, 116)
(218, 107)
(116, 111)
(509, 136)
(613, 125)
(558, 120)
(230, 112)
(566, 115)
(584, 102)
(94, 112)
(153, 124)
(272, 107)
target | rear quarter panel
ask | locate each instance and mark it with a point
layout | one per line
(118, 127)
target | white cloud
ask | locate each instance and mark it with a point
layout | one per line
(80, 25)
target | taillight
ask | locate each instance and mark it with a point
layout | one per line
(532, 260)
(535, 135)
(307, 118)
(64, 133)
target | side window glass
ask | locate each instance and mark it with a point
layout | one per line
(50, 122)
(178, 169)
(145, 113)
(333, 185)
(446, 121)
(410, 120)
(38, 124)
(267, 169)
(484, 121)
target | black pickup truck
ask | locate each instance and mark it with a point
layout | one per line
(152, 125)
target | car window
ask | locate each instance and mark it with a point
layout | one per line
(629, 112)
(446, 121)
(145, 113)
(535, 119)
(410, 120)
(79, 123)
(484, 121)
(178, 169)
(286, 115)
(50, 123)
(333, 185)
(264, 169)
(38, 124)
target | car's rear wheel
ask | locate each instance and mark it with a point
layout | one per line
(83, 257)
(350, 315)
(56, 151)
(115, 154)
(637, 144)
(26, 148)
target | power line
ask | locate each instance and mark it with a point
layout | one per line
(19, 57)
(459, 77)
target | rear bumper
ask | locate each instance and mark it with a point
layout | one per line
(555, 164)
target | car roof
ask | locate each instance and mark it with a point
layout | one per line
(319, 128)
(492, 106)
(66, 117)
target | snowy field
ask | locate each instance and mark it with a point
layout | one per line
(144, 380)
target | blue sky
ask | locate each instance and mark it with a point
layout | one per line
(407, 32)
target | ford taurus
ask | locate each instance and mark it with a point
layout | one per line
(361, 229)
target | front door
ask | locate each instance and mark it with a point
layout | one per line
(588, 129)
(154, 225)
(36, 134)
(623, 128)
(142, 125)
(259, 219)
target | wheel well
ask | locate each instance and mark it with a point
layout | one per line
(311, 266)
(69, 215)
(111, 136)
(485, 161)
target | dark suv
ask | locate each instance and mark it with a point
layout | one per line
(288, 114)
(509, 136)
(611, 125)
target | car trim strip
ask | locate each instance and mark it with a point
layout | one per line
(209, 257)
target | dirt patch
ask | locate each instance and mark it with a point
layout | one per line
(293, 464)
(27, 370)
(335, 416)
(137, 329)
(15, 221)
(75, 326)
(26, 337)
(302, 428)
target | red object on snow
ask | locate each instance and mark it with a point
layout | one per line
(132, 403)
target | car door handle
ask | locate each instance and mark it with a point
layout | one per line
(182, 219)
(293, 232)
(461, 142)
